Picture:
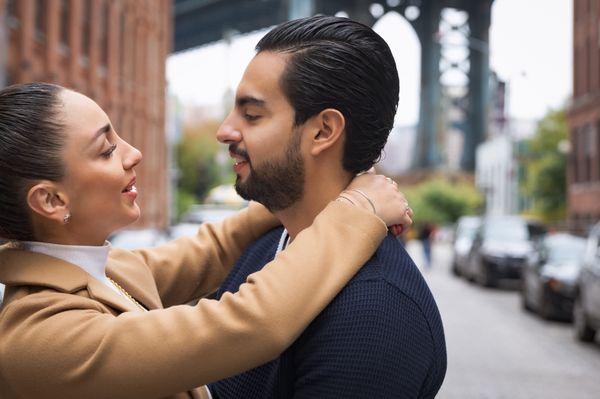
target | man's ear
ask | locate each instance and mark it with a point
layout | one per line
(329, 126)
(45, 199)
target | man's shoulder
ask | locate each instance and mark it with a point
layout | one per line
(392, 265)
(391, 285)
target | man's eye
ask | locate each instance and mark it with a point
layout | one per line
(251, 118)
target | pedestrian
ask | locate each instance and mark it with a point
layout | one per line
(83, 320)
(425, 236)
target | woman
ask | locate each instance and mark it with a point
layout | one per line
(81, 320)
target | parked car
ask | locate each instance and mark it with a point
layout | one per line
(209, 213)
(501, 248)
(466, 227)
(549, 286)
(183, 230)
(586, 311)
(143, 238)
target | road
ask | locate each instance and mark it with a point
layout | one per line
(497, 351)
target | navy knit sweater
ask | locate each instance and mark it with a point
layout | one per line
(381, 337)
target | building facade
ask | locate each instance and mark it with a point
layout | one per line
(583, 172)
(113, 51)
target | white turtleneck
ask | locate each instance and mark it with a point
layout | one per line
(92, 259)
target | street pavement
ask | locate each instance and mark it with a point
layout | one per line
(496, 350)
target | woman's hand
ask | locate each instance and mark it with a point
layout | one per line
(380, 195)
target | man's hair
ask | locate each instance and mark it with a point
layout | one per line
(342, 64)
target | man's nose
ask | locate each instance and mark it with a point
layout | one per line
(227, 134)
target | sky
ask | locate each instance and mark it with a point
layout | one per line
(530, 48)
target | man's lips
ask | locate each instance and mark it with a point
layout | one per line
(239, 159)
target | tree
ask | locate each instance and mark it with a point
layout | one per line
(196, 161)
(441, 201)
(545, 168)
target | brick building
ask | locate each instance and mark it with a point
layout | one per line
(584, 118)
(111, 50)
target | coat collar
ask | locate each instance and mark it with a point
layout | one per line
(21, 267)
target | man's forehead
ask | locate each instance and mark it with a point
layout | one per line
(260, 82)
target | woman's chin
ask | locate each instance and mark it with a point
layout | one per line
(133, 215)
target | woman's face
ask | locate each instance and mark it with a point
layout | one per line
(100, 176)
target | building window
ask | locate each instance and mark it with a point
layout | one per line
(11, 8)
(103, 34)
(86, 26)
(40, 19)
(12, 13)
(65, 22)
(597, 149)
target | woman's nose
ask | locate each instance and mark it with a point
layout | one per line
(132, 157)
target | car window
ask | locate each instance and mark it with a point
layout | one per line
(565, 250)
(506, 230)
(592, 252)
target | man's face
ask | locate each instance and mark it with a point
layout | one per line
(262, 138)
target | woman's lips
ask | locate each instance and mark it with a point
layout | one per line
(130, 190)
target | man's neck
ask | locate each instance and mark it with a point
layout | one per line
(317, 194)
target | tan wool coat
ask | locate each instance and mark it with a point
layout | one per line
(64, 334)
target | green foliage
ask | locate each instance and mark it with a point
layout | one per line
(183, 202)
(545, 168)
(196, 161)
(442, 202)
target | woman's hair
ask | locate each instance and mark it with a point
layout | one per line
(31, 141)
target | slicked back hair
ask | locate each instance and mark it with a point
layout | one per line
(31, 143)
(342, 64)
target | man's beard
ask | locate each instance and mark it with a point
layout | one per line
(277, 184)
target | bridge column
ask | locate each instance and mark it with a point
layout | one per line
(479, 59)
(427, 153)
(300, 8)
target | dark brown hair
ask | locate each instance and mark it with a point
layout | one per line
(31, 141)
(342, 64)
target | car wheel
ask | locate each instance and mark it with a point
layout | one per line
(485, 277)
(583, 331)
(455, 269)
(544, 307)
(524, 301)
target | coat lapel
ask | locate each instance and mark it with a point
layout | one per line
(19, 267)
(100, 292)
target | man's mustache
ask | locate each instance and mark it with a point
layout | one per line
(234, 149)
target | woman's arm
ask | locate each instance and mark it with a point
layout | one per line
(70, 349)
(191, 267)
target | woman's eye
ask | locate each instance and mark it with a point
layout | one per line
(108, 153)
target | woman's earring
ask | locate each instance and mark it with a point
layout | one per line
(67, 218)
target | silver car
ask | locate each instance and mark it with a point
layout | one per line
(466, 227)
(586, 312)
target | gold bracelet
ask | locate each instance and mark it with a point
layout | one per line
(346, 198)
(366, 197)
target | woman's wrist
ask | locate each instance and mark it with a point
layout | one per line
(360, 200)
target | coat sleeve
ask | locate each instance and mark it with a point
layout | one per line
(58, 345)
(191, 267)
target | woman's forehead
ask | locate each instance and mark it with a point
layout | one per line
(81, 115)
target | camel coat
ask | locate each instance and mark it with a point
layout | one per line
(64, 334)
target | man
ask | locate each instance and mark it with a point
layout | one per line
(315, 107)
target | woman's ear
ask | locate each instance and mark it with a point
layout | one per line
(46, 200)
(329, 126)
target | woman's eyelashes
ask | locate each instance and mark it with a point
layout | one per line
(108, 153)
